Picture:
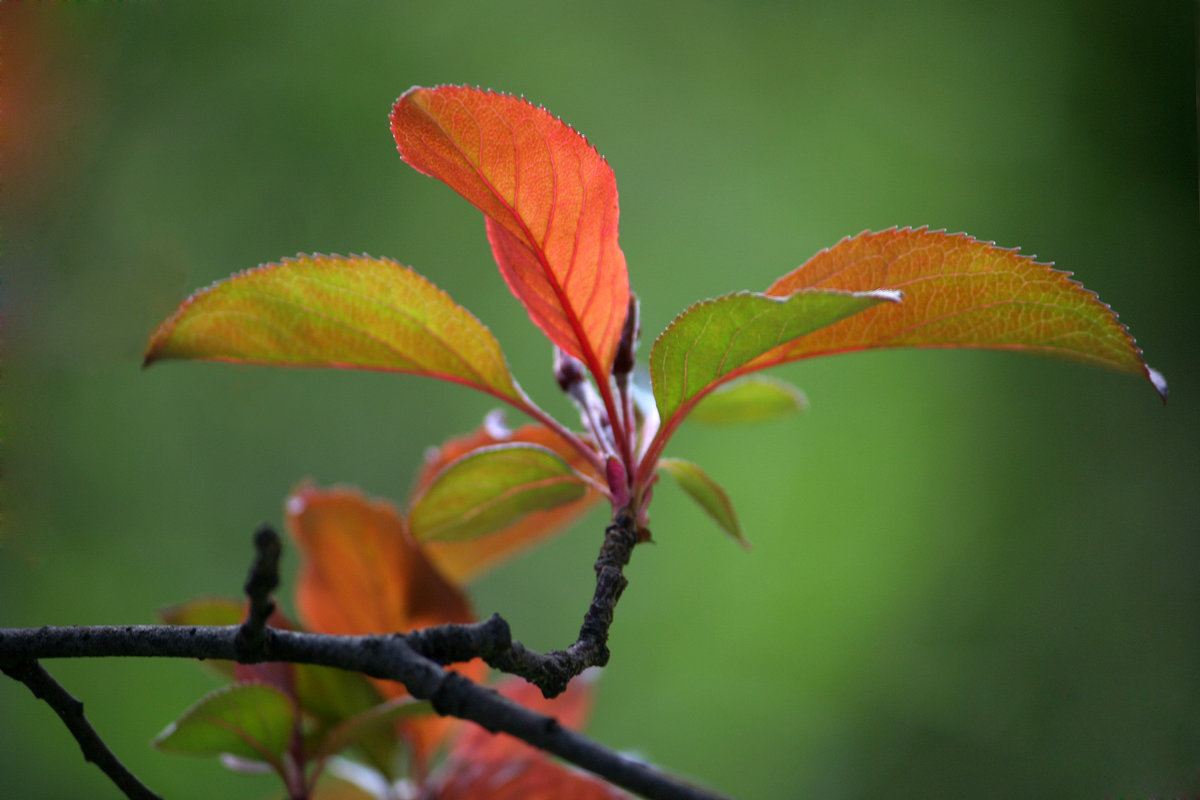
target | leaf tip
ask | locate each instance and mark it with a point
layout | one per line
(166, 733)
(157, 349)
(297, 502)
(1158, 382)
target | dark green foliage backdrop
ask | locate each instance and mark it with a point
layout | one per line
(973, 574)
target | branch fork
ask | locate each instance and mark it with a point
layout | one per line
(416, 659)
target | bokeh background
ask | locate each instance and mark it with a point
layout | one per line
(973, 574)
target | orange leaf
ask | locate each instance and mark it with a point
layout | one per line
(463, 560)
(362, 573)
(960, 292)
(550, 201)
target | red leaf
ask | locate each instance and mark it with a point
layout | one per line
(486, 766)
(531, 779)
(960, 292)
(571, 709)
(550, 201)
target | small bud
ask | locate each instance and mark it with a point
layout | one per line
(618, 481)
(494, 426)
(568, 371)
(627, 346)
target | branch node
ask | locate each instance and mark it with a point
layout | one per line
(451, 695)
(253, 636)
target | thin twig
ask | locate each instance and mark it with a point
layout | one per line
(388, 656)
(70, 710)
(550, 672)
(415, 659)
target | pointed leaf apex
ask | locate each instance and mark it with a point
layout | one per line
(1158, 382)
(699, 486)
(889, 295)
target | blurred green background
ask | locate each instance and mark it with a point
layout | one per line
(973, 574)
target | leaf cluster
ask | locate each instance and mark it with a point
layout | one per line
(551, 214)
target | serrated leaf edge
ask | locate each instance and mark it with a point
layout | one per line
(1156, 378)
(572, 473)
(173, 726)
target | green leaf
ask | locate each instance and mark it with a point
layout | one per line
(372, 731)
(331, 695)
(335, 311)
(750, 399)
(490, 488)
(717, 340)
(249, 720)
(705, 491)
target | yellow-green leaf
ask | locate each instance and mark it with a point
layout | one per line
(718, 340)
(490, 488)
(334, 311)
(218, 611)
(750, 399)
(460, 561)
(707, 494)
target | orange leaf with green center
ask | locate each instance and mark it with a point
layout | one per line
(550, 201)
(335, 311)
(960, 292)
(463, 560)
(489, 489)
